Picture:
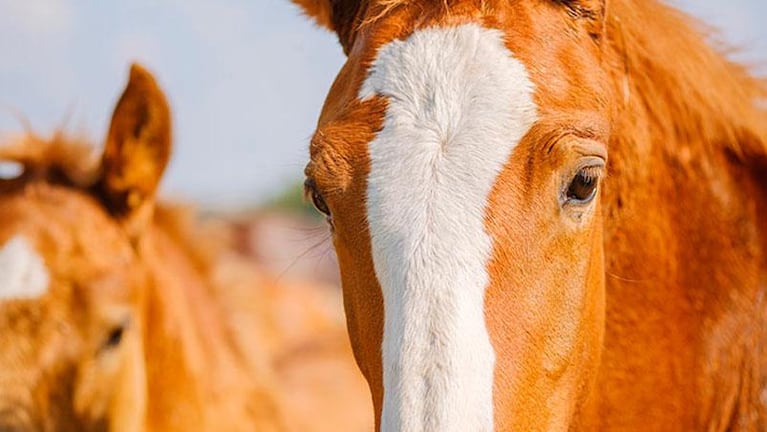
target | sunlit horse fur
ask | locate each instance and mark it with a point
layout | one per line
(120, 314)
(500, 270)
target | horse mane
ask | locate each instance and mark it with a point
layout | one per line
(665, 65)
(203, 241)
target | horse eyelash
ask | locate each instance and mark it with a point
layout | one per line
(591, 172)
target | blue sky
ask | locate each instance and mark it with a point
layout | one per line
(246, 79)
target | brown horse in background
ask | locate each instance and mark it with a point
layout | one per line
(498, 272)
(119, 314)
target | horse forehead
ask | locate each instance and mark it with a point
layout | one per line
(435, 76)
(23, 273)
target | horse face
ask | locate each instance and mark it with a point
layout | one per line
(71, 275)
(68, 305)
(458, 159)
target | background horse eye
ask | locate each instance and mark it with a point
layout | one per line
(114, 338)
(583, 187)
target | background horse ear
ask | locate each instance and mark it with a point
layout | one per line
(137, 149)
(340, 16)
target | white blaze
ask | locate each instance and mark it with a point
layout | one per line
(23, 274)
(10, 170)
(459, 102)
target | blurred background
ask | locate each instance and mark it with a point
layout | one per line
(246, 80)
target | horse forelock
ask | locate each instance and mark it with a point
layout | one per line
(60, 158)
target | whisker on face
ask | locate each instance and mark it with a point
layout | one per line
(306, 253)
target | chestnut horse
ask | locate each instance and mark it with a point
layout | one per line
(495, 276)
(106, 321)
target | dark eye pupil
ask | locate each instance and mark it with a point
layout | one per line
(320, 204)
(115, 337)
(582, 188)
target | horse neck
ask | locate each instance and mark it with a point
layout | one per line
(194, 368)
(685, 245)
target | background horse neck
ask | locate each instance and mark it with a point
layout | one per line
(190, 349)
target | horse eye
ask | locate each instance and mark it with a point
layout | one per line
(115, 337)
(583, 187)
(317, 200)
(319, 203)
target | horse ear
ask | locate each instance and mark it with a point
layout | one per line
(320, 10)
(137, 149)
(340, 16)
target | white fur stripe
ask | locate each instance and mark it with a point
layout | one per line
(459, 102)
(23, 274)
